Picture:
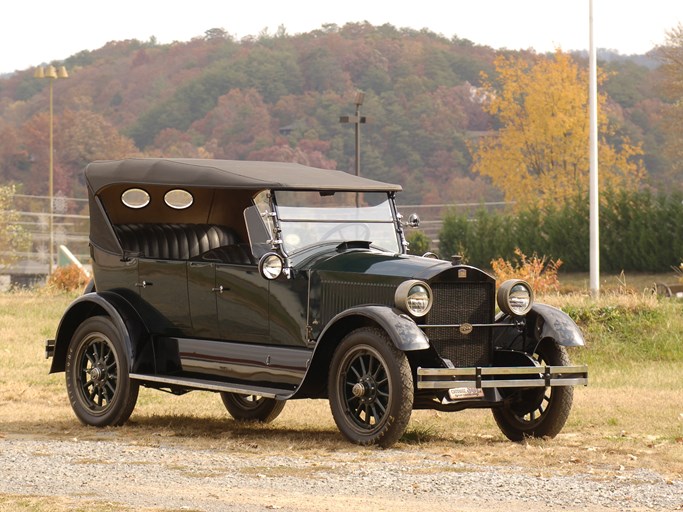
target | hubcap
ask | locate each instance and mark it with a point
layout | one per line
(96, 374)
(366, 389)
(358, 389)
(99, 372)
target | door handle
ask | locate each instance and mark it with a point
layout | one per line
(218, 289)
(144, 284)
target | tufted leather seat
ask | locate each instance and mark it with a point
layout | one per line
(174, 241)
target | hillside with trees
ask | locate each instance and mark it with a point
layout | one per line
(279, 97)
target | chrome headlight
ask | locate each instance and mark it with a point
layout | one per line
(515, 297)
(270, 265)
(414, 297)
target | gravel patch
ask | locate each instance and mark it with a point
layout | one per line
(180, 478)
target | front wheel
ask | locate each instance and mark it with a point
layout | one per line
(252, 407)
(97, 374)
(370, 388)
(537, 412)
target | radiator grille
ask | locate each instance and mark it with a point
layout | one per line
(337, 296)
(457, 304)
(454, 303)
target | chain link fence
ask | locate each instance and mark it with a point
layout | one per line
(70, 226)
(432, 215)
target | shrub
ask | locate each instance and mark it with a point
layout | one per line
(68, 278)
(639, 231)
(419, 243)
(540, 273)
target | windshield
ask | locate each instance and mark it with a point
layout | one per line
(310, 218)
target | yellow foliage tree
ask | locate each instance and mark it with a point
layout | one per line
(540, 154)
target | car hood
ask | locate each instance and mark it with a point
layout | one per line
(370, 262)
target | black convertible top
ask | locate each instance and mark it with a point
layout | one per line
(226, 173)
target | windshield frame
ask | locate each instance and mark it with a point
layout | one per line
(351, 223)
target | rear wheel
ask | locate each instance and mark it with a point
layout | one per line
(538, 412)
(370, 388)
(97, 374)
(252, 407)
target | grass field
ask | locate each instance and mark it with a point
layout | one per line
(631, 414)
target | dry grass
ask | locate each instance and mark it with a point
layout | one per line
(631, 415)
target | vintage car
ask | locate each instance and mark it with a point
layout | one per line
(268, 282)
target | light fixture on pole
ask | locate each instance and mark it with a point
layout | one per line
(357, 120)
(51, 73)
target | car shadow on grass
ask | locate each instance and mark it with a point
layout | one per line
(209, 430)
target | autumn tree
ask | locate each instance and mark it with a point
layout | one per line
(540, 153)
(239, 124)
(172, 143)
(671, 55)
(306, 152)
(81, 136)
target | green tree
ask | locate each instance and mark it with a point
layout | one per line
(13, 238)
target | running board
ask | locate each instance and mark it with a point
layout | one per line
(211, 385)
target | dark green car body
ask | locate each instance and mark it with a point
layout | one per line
(208, 280)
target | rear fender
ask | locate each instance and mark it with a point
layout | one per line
(128, 324)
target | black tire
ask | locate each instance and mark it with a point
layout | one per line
(370, 388)
(252, 407)
(537, 412)
(97, 374)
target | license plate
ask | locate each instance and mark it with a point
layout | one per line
(460, 393)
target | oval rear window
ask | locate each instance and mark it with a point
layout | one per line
(135, 198)
(178, 199)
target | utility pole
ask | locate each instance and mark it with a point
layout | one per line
(356, 120)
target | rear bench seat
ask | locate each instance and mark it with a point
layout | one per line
(180, 241)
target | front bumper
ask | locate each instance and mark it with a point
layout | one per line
(49, 348)
(501, 377)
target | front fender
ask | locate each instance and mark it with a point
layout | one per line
(402, 329)
(127, 323)
(550, 322)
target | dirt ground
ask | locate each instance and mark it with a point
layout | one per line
(621, 449)
(169, 462)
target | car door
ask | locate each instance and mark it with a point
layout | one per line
(242, 303)
(201, 290)
(163, 294)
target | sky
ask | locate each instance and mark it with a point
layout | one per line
(34, 32)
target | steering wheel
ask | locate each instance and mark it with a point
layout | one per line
(362, 228)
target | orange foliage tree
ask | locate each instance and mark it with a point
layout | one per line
(238, 124)
(540, 153)
(80, 136)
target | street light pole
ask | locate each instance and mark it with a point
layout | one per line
(51, 73)
(593, 189)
